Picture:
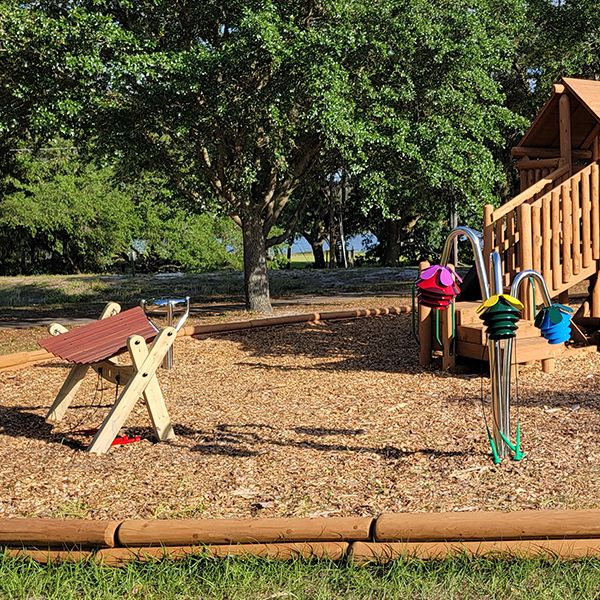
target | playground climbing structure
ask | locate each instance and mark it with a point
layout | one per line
(552, 226)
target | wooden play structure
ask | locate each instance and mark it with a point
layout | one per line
(551, 226)
(95, 346)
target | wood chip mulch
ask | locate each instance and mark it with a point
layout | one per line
(303, 420)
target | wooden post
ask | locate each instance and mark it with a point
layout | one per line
(564, 110)
(556, 239)
(536, 230)
(500, 238)
(586, 210)
(488, 231)
(548, 365)
(526, 253)
(595, 200)
(595, 305)
(511, 255)
(567, 231)
(447, 335)
(425, 327)
(576, 220)
(547, 241)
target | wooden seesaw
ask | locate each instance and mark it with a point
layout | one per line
(94, 346)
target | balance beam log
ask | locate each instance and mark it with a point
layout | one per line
(381, 552)
(58, 533)
(198, 330)
(242, 531)
(20, 360)
(456, 526)
(116, 557)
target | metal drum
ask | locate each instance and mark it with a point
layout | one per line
(168, 307)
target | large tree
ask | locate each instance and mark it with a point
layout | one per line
(235, 101)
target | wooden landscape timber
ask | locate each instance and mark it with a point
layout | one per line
(242, 531)
(482, 525)
(565, 535)
(21, 360)
(48, 533)
(116, 557)
(382, 552)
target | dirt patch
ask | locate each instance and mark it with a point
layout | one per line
(303, 420)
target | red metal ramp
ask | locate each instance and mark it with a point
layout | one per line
(101, 339)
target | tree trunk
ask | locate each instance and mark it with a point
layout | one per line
(391, 243)
(319, 255)
(256, 278)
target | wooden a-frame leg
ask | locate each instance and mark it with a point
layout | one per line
(153, 397)
(66, 393)
(76, 375)
(133, 390)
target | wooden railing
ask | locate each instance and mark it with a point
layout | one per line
(552, 227)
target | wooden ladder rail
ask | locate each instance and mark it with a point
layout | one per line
(552, 227)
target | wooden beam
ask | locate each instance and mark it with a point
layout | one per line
(589, 140)
(183, 532)
(558, 88)
(564, 119)
(530, 152)
(383, 552)
(538, 164)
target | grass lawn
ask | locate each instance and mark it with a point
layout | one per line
(233, 579)
(56, 290)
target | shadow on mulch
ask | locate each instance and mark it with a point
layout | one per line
(225, 440)
(17, 421)
(359, 344)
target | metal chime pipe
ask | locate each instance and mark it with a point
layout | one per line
(504, 414)
(473, 237)
(499, 382)
(500, 377)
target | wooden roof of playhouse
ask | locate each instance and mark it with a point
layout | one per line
(581, 102)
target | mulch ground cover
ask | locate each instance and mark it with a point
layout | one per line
(302, 420)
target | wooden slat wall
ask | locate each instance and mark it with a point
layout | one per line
(562, 232)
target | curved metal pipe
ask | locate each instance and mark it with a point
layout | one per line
(531, 274)
(473, 237)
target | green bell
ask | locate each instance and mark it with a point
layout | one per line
(500, 315)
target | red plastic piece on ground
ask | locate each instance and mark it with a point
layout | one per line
(119, 441)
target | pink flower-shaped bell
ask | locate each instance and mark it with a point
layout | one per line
(437, 287)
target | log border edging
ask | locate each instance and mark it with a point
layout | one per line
(525, 534)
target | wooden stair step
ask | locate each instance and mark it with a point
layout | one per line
(475, 332)
(466, 312)
(527, 349)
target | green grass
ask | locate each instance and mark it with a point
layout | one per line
(235, 579)
(59, 290)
